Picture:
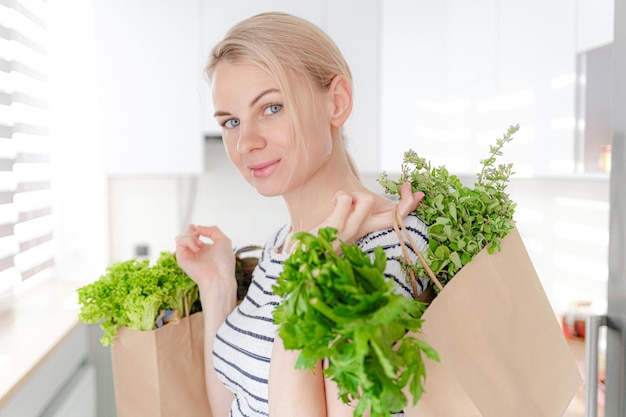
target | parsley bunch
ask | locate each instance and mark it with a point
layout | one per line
(462, 220)
(342, 309)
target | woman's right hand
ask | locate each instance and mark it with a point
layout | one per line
(359, 213)
(206, 262)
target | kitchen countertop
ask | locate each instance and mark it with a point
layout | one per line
(40, 320)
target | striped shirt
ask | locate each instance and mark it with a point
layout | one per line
(243, 344)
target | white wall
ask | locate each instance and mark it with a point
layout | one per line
(154, 210)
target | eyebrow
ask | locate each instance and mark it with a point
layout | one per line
(252, 103)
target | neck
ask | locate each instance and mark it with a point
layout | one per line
(311, 203)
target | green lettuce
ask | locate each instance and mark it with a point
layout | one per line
(133, 294)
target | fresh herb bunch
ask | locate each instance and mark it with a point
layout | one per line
(133, 293)
(342, 309)
(462, 220)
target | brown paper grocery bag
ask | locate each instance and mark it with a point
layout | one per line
(160, 373)
(502, 350)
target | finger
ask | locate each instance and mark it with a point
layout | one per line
(337, 219)
(406, 191)
(188, 241)
(211, 234)
(209, 231)
(343, 207)
(193, 240)
(409, 200)
(362, 210)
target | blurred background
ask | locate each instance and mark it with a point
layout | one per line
(111, 150)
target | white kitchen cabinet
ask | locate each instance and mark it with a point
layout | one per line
(594, 24)
(63, 385)
(456, 75)
(149, 71)
(444, 78)
(355, 26)
(78, 397)
(537, 55)
(412, 68)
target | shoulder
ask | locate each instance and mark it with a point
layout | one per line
(273, 243)
(399, 250)
(277, 239)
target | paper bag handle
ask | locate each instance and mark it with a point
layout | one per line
(186, 301)
(397, 224)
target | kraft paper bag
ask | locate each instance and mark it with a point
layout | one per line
(160, 373)
(502, 350)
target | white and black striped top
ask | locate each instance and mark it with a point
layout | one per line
(243, 344)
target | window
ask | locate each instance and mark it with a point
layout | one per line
(26, 216)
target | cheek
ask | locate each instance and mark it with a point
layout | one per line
(319, 141)
(322, 143)
(231, 151)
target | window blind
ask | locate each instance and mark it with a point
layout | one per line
(26, 222)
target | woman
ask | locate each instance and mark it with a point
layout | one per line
(282, 92)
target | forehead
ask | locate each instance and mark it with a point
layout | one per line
(239, 79)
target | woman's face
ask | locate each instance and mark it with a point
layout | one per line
(257, 132)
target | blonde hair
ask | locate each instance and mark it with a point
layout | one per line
(288, 48)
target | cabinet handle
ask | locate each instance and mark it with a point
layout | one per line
(592, 329)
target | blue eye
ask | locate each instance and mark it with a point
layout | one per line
(273, 108)
(230, 123)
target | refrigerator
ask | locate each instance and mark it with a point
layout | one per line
(615, 318)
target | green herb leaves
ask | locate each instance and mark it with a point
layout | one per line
(132, 293)
(462, 220)
(343, 310)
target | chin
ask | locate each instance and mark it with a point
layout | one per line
(267, 190)
(268, 194)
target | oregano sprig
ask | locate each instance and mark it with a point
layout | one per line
(461, 220)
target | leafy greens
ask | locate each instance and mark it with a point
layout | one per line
(344, 310)
(133, 293)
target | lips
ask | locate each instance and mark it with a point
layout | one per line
(263, 169)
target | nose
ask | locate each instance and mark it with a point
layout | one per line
(250, 138)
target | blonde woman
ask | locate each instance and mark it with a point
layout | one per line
(282, 92)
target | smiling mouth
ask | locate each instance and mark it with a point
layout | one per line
(264, 170)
